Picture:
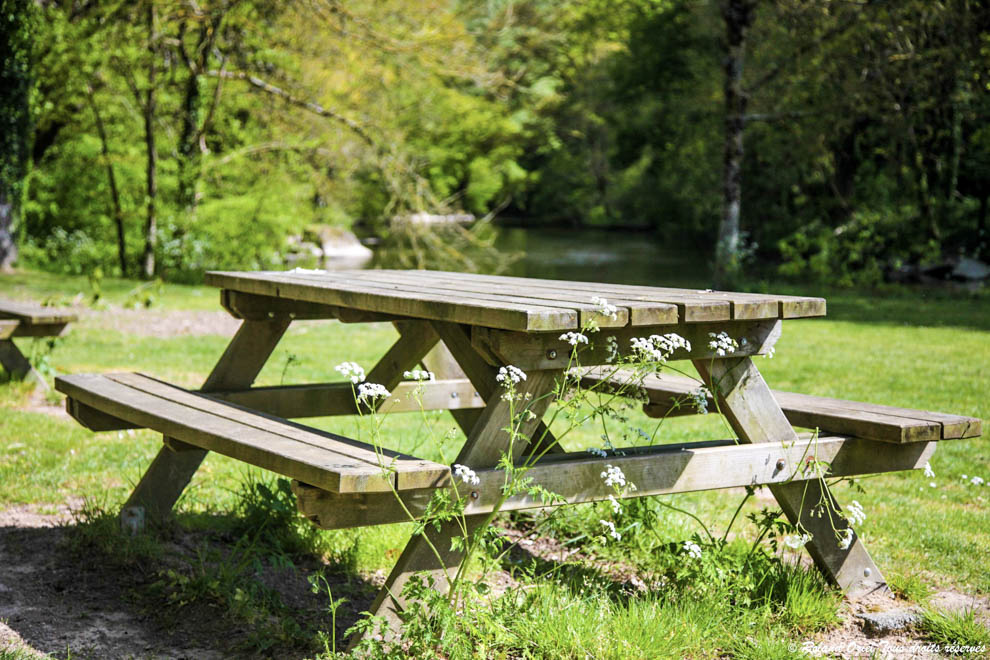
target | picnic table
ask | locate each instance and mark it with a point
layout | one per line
(484, 323)
(21, 319)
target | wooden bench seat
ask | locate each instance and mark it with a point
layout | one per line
(325, 460)
(667, 395)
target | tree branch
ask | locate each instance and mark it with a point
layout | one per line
(312, 106)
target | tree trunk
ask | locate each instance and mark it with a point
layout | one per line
(738, 16)
(8, 248)
(118, 211)
(151, 224)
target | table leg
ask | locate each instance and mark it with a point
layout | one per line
(486, 442)
(17, 365)
(174, 466)
(751, 409)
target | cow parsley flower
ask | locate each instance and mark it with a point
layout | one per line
(929, 472)
(351, 371)
(846, 540)
(976, 481)
(722, 344)
(510, 375)
(795, 541)
(692, 549)
(466, 474)
(855, 514)
(657, 348)
(699, 399)
(610, 528)
(573, 338)
(604, 308)
(614, 476)
(616, 507)
(419, 375)
(368, 392)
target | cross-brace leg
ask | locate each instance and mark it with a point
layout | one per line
(487, 440)
(751, 409)
(176, 463)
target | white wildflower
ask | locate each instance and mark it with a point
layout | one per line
(855, 514)
(692, 549)
(614, 476)
(368, 392)
(722, 344)
(604, 308)
(351, 370)
(699, 398)
(769, 354)
(795, 541)
(466, 474)
(931, 484)
(612, 531)
(846, 540)
(976, 481)
(597, 451)
(510, 375)
(929, 472)
(420, 375)
(964, 477)
(657, 348)
(573, 338)
(616, 507)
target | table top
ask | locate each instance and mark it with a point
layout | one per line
(514, 303)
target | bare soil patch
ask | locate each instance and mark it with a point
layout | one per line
(57, 602)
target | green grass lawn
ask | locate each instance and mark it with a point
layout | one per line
(898, 348)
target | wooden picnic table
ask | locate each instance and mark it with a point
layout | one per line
(484, 323)
(23, 319)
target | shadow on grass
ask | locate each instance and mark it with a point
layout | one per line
(188, 589)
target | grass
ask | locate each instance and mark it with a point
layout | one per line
(931, 353)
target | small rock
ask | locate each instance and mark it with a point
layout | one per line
(970, 269)
(879, 624)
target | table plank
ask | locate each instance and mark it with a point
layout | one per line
(31, 313)
(743, 306)
(638, 312)
(397, 281)
(365, 296)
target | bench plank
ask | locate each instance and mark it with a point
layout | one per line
(338, 464)
(864, 420)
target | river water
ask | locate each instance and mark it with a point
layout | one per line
(603, 256)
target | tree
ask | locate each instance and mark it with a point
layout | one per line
(16, 19)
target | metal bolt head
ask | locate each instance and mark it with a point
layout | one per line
(454, 395)
(780, 464)
(867, 572)
(474, 495)
(551, 354)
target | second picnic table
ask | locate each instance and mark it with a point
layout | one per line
(486, 323)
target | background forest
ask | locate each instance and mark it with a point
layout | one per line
(163, 138)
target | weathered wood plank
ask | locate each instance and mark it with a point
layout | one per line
(32, 314)
(743, 306)
(430, 306)
(316, 457)
(332, 399)
(14, 361)
(629, 312)
(751, 409)
(40, 329)
(548, 351)
(660, 470)
(409, 471)
(864, 420)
